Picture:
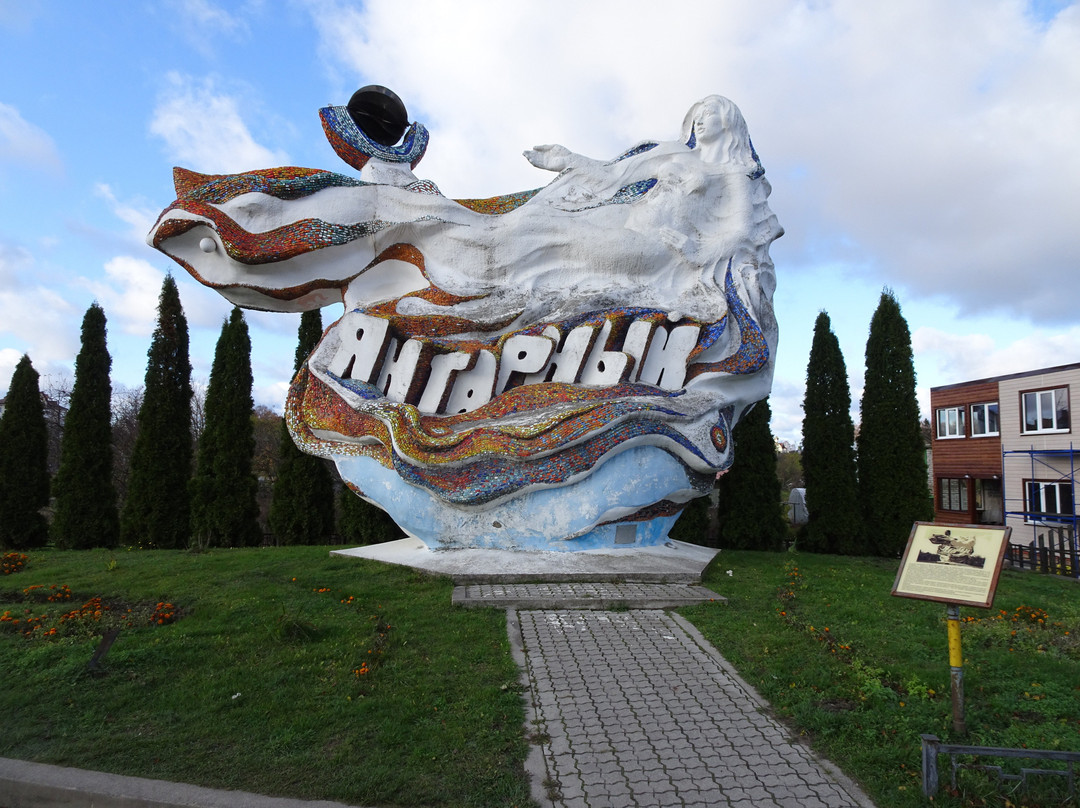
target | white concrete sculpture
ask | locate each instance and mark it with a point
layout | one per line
(556, 369)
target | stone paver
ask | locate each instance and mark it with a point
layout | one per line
(634, 708)
(578, 595)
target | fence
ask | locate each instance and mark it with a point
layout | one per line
(932, 747)
(1054, 550)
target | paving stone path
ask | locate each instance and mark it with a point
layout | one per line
(635, 708)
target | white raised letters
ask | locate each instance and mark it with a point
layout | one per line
(398, 369)
(361, 339)
(472, 388)
(462, 381)
(443, 368)
(665, 365)
(523, 353)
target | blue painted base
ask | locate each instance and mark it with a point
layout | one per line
(623, 535)
(567, 518)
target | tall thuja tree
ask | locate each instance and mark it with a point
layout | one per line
(750, 515)
(360, 522)
(302, 506)
(24, 452)
(828, 456)
(157, 509)
(891, 455)
(695, 523)
(86, 513)
(224, 506)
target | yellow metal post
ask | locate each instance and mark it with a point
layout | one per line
(956, 668)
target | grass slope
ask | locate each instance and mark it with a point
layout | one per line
(281, 671)
(862, 674)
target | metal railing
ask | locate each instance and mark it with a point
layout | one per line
(932, 747)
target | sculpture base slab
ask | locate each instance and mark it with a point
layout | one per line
(671, 562)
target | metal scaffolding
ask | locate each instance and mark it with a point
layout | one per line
(1053, 545)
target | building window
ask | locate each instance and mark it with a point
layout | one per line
(950, 422)
(954, 495)
(1049, 502)
(1046, 410)
(984, 419)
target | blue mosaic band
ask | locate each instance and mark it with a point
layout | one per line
(356, 148)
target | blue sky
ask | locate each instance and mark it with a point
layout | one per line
(927, 145)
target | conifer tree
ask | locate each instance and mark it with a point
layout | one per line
(828, 454)
(694, 524)
(224, 507)
(891, 456)
(302, 507)
(86, 513)
(157, 510)
(750, 515)
(24, 451)
(360, 522)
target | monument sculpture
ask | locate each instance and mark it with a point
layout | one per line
(556, 369)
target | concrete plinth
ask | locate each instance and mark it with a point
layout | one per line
(672, 562)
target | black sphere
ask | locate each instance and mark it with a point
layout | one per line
(379, 114)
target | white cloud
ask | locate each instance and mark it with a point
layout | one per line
(968, 357)
(271, 395)
(41, 318)
(34, 318)
(9, 358)
(25, 145)
(13, 260)
(129, 294)
(282, 325)
(32, 314)
(785, 403)
(951, 166)
(140, 220)
(203, 307)
(203, 23)
(204, 130)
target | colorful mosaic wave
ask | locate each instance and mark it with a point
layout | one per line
(490, 453)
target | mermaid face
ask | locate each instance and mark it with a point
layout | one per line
(709, 123)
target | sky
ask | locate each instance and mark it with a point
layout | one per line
(931, 147)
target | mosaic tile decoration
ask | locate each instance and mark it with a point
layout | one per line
(482, 456)
(460, 424)
(356, 148)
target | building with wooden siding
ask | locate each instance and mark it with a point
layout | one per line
(1003, 452)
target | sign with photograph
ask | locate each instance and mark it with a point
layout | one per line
(952, 563)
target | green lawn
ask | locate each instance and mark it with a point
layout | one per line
(288, 672)
(862, 674)
(266, 680)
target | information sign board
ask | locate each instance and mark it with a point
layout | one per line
(952, 563)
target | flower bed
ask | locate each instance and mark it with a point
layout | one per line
(10, 563)
(35, 616)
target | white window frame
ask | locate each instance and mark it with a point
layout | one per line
(950, 423)
(986, 407)
(1047, 406)
(1061, 499)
